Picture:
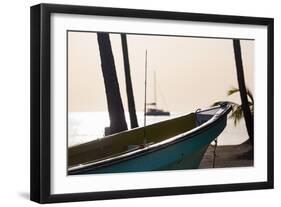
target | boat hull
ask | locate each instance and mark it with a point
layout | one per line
(186, 153)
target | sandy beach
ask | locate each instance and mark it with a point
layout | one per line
(227, 156)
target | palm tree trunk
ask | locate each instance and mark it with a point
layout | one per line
(129, 88)
(114, 101)
(243, 91)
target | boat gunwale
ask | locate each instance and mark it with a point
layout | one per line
(154, 147)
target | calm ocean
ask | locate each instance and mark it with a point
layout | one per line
(86, 126)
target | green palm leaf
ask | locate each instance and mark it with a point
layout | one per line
(232, 91)
(237, 112)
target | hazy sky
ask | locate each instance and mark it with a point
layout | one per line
(191, 72)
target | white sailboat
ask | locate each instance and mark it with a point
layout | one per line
(154, 111)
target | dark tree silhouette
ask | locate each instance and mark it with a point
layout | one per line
(129, 88)
(243, 91)
(114, 101)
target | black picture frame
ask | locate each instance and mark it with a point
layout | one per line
(41, 102)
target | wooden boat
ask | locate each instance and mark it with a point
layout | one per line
(178, 143)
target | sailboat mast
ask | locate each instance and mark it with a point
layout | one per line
(144, 120)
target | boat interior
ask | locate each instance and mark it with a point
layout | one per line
(133, 139)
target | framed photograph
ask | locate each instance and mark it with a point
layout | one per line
(132, 103)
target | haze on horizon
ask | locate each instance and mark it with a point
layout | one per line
(191, 72)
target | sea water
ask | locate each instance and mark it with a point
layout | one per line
(87, 126)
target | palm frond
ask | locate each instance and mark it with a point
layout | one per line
(236, 111)
(232, 91)
(237, 114)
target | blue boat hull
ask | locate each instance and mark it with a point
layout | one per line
(185, 153)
